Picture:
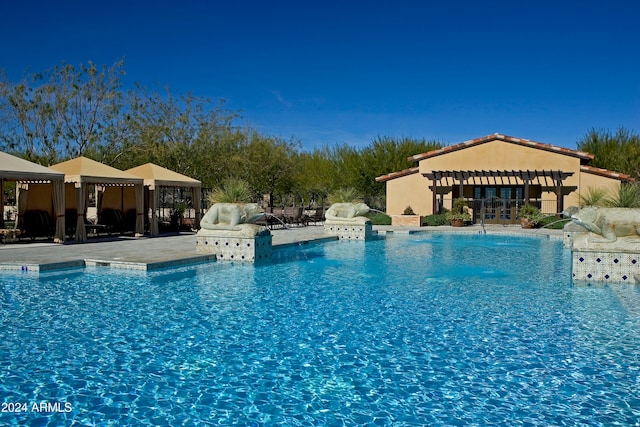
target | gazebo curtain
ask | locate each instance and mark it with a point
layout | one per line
(195, 196)
(139, 191)
(57, 198)
(99, 199)
(81, 207)
(2, 202)
(153, 203)
(22, 196)
(58, 209)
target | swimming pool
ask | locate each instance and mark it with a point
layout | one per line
(434, 329)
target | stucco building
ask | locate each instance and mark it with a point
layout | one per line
(496, 175)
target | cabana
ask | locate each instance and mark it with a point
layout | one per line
(154, 177)
(115, 189)
(30, 178)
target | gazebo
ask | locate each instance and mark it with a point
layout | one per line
(26, 173)
(125, 189)
(154, 177)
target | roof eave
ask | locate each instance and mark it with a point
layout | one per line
(499, 137)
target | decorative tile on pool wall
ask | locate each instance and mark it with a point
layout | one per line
(235, 248)
(350, 231)
(605, 266)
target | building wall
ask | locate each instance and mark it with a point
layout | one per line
(410, 190)
(495, 155)
(589, 180)
(501, 155)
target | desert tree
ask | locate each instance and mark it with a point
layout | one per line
(617, 151)
(186, 133)
(61, 112)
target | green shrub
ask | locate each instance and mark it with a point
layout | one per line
(345, 195)
(628, 196)
(435, 220)
(232, 190)
(553, 222)
(378, 218)
(408, 211)
(532, 213)
(459, 211)
(593, 197)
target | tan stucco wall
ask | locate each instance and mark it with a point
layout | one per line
(589, 180)
(411, 190)
(495, 155)
(501, 155)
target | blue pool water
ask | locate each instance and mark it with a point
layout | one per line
(419, 330)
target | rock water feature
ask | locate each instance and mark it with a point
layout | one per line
(345, 220)
(605, 244)
(228, 231)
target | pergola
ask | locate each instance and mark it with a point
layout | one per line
(548, 178)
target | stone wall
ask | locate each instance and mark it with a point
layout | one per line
(406, 220)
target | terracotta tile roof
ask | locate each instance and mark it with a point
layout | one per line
(607, 173)
(393, 175)
(505, 138)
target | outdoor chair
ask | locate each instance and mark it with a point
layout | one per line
(112, 220)
(318, 215)
(272, 218)
(70, 222)
(37, 223)
(295, 215)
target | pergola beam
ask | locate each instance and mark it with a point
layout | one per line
(526, 176)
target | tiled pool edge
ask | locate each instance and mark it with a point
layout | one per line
(42, 267)
(128, 265)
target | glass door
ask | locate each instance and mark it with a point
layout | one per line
(505, 203)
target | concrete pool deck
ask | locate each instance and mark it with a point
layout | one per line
(146, 253)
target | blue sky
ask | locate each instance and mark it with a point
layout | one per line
(344, 72)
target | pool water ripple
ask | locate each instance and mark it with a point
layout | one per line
(445, 330)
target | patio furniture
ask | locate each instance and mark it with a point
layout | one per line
(295, 215)
(318, 215)
(38, 223)
(7, 234)
(273, 217)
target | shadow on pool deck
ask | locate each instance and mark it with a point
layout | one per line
(147, 253)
